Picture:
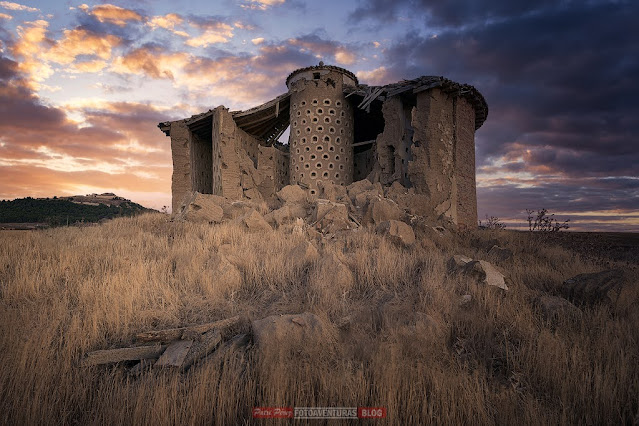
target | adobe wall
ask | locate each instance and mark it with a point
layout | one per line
(432, 168)
(465, 162)
(273, 166)
(393, 144)
(181, 150)
(321, 135)
(238, 152)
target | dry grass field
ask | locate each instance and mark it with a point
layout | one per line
(67, 291)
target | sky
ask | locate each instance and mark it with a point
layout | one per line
(84, 85)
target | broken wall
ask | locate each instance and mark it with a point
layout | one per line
(393, 144)
(238, 155)
(465, 162)
(273, 166)
(181, 150)
(432, 169)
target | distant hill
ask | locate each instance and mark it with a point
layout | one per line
(67, 210)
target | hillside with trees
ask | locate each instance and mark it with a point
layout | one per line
(62, 211)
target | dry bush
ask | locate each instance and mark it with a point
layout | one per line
(410, 346)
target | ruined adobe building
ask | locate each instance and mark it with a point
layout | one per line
(420, 133)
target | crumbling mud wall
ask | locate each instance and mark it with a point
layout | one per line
(321, 132)
(393, 144)
(465, 162)
(432, 167)
(238, 157)
(273, 166)
(181, 184)
(416, 137)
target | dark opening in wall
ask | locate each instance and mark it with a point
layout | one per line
(316, 76)
(390, 152)
(202, 162)
(367, 126)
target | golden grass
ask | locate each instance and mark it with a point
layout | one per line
(67, 291)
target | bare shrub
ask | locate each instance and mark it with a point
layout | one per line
(543, 222)
(492, 222)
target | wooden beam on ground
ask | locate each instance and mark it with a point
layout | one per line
(109, 356)
(186, 332)
(175, 354)
(202, 348)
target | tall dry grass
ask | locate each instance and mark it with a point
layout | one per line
(410, 346)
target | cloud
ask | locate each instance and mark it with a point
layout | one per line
(32, 41)
(117, 141)
(323, 48)
(213, 31)
(563, 101)
(5, 16)
(112, 14)
(78, 42)
(38, 53)
(18, 7)
(453, 13)
(378, 76)
(241, 25)
(150, 60)
(261, 4)
(168, 22)
(257, 41)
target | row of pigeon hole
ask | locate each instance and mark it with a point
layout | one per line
(315, 102)
(327, 120)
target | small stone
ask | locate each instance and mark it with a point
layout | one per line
(380, 210)
(457, 262)
(202, 208)
(465, 300)
(485, 273)
(599, 287)
(551, 307)
(254, 222)
(358, 187)
(286, 214)
(398, 232)
(305, 251)
(292, 194)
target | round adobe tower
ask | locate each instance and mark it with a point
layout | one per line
(321, 135)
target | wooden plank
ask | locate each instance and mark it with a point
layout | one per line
(426, 87)
(202, 348)
(175, 354)
(277, 109)
(400, 90)
(364, 143)
(123, 354)
(186, 333)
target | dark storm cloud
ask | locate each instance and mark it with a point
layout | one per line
(560, 79)
(19, 107)
(568, 196)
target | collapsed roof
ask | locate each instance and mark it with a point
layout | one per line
(268, 121)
